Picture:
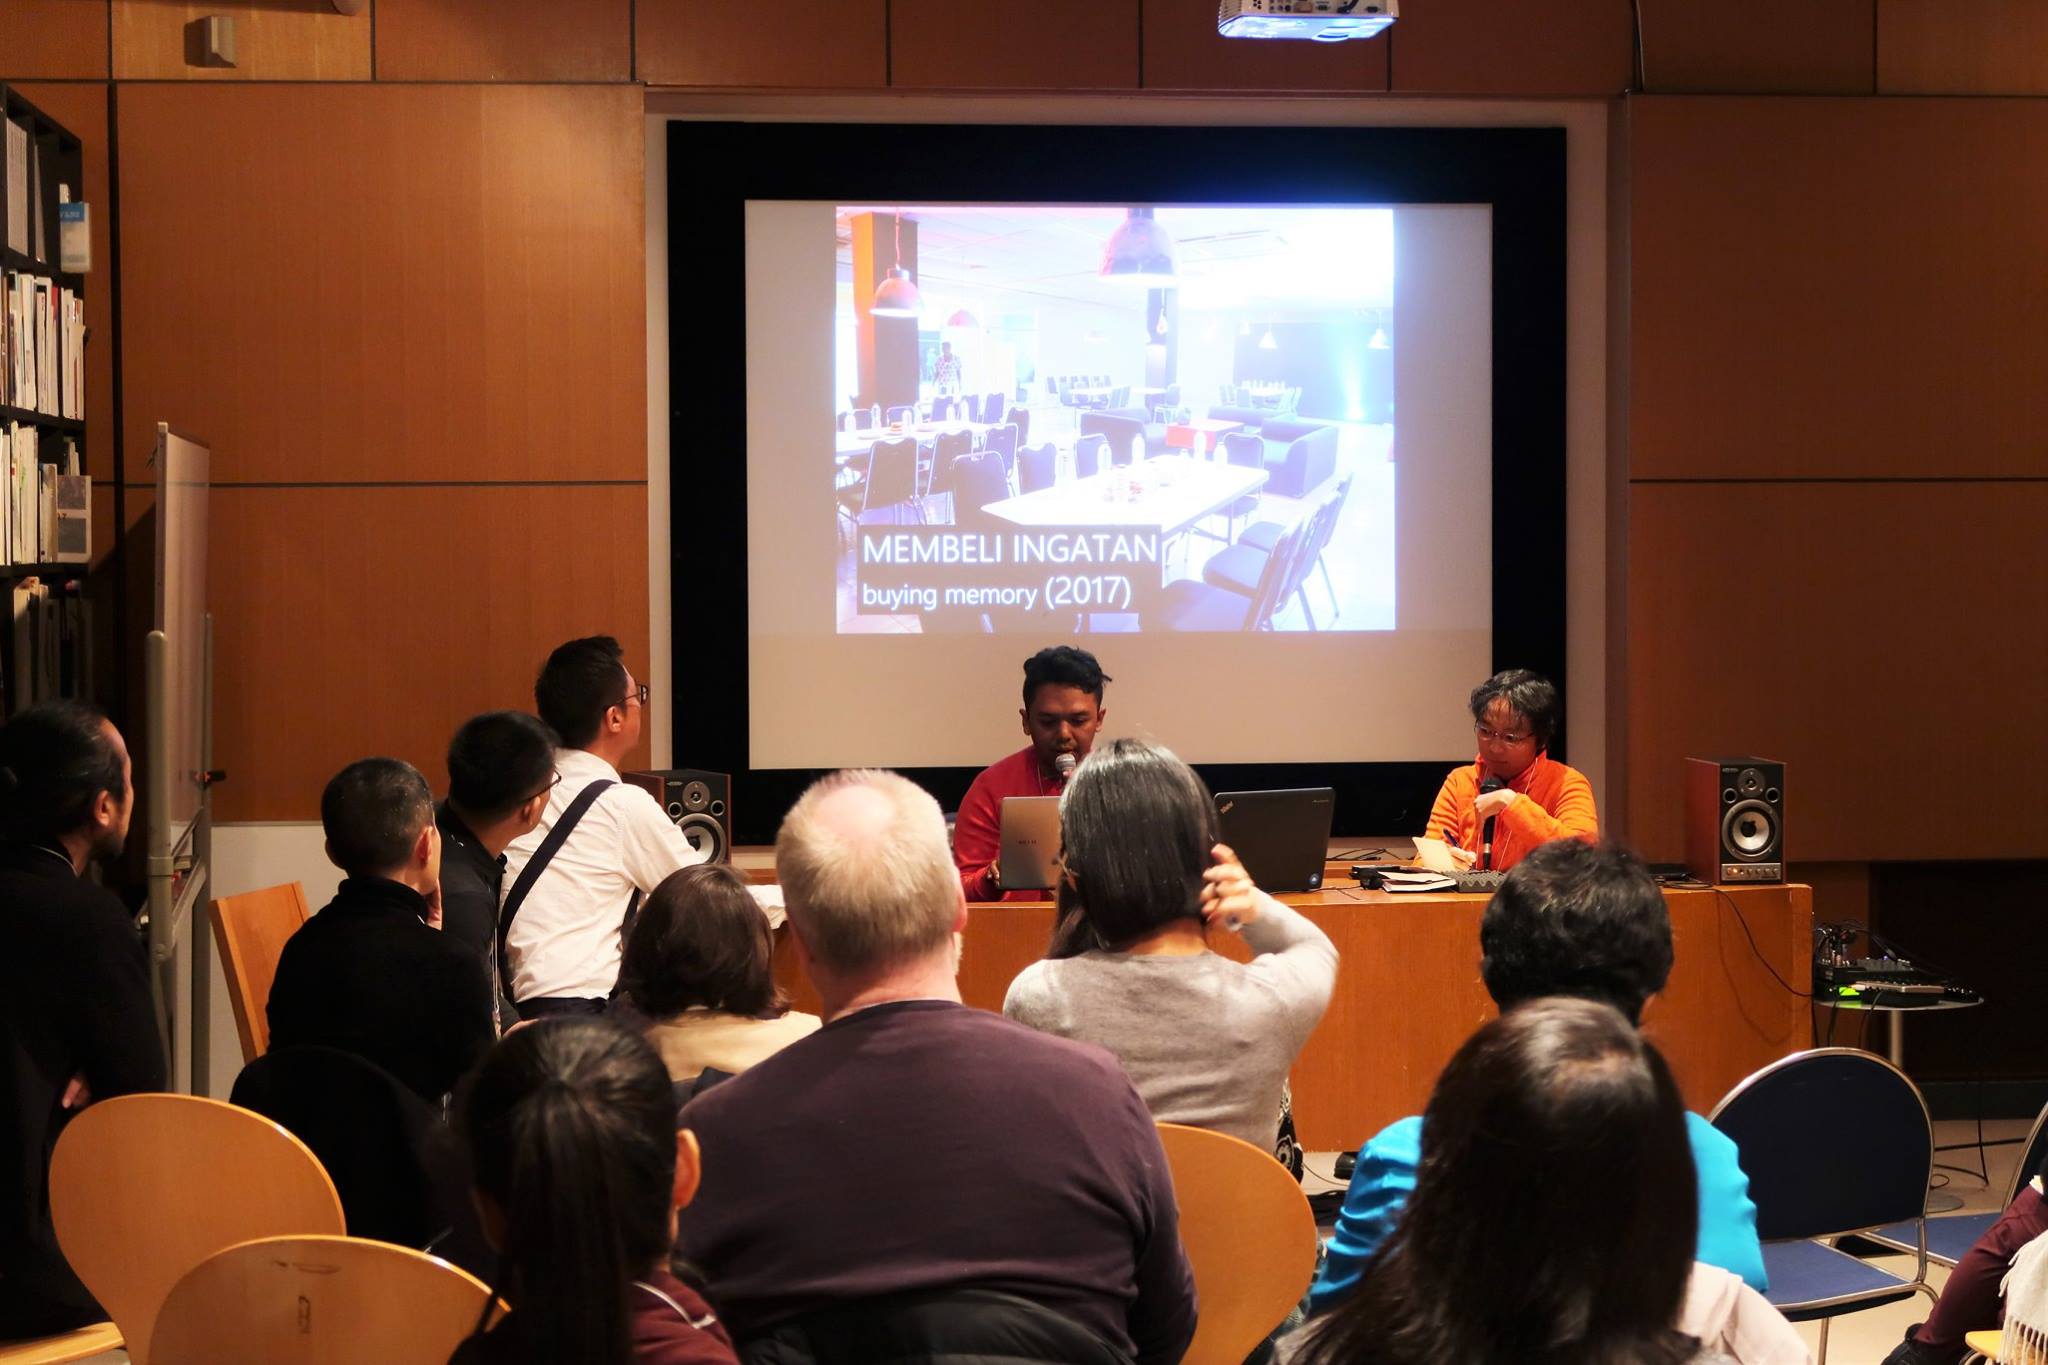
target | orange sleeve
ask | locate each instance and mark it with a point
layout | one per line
(1568, 813)
(1448, 817)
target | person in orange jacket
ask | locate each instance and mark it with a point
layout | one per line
(1527, 797)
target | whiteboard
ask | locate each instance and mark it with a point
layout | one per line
(181, 486)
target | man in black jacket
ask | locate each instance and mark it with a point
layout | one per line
(501, 768)
(75, 1017)
(372, 974)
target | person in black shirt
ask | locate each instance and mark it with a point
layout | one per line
(501, 767)
(371, 973)
(76, 1022)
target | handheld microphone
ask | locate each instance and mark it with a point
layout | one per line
(1064, 765)
(1491, 784)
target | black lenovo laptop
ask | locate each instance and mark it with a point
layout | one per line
(1281, 837)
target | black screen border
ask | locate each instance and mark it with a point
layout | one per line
(714, 168)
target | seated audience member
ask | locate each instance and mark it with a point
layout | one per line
(601, 845)
(579, 1173)
(76, 1022)
(1062, 714)
(1572, 919)
(1208, 1041)
(1971, 1300)
(700, 965)
(916, 1168)
(1553, 1221)
(501, 767)
(1514, 797)
(371, 973)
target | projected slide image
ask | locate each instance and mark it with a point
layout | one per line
(1114, 418)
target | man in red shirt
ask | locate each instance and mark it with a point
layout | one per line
(1062, 714)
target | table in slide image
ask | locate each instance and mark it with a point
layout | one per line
(1172, 494)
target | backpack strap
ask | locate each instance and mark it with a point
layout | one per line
(538, 864)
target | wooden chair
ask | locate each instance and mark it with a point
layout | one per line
(1982, 1346)
(144, 1187)
(1249, 1236)
(80, 1344)
(251, 929)
(318, 1301)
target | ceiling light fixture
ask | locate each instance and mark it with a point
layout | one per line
(1140, 252)
(896, 296)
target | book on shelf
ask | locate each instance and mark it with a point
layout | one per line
(17, 187)
(42, 347)
(51, 642)
(45, 503)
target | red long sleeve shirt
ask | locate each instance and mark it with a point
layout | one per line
(978, 830)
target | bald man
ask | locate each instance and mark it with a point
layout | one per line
(832, 1169)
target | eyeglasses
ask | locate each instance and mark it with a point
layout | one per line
(552, 783)
(639, 694)
(1488, 736)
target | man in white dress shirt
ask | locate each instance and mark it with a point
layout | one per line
(602, 845)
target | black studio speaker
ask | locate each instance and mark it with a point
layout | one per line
(1735, 819)
(699, 802)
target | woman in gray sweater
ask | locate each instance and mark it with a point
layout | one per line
(1206, 1040)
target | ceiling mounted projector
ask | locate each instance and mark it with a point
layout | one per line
(1321, 21)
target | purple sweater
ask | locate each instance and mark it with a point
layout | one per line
(921, 1145)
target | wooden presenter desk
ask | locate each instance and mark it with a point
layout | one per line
(1408, 992)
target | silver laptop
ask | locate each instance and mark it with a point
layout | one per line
(1031, 842)
(1281, 837)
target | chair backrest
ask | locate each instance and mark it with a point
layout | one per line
(948, 447)
(1833, 1140)
(892, 472)
(1037, 467)
(318, 1301)
(82, 1343)
(942, 407)
(1020, 418)
(1282, 574)
(144, 1187)
(1088, 453)
(978, 480)
(1243, 448)
(1002, 440)
(2032, 1156)
(863, 419)
(365, 1127)
(1249, 1235)
(250, 930)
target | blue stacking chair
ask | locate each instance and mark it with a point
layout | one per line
(1835, 1141)
(1952, 1234)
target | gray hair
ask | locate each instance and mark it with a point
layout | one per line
(863, 903)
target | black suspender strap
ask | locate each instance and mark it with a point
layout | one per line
(538, 864)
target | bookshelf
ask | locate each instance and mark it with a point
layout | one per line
(46, 627)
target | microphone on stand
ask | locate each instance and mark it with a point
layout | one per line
(1491, 784)
(1064, 765)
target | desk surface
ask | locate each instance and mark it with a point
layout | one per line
(1408, 989)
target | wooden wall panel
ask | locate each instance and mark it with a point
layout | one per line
(1962, 47)
(83, 109)
(1880, 638)
(1512, 47)
(1829, 287)
(1052, 44)
(1811, 47)
(812, 44)
(369, 283)
(359, 621)
(302, 41)
(53, 40)
(1183, 52)
(504, 40)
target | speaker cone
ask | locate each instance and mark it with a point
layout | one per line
(696, 796)
(1750, 782)
(1750, 829)
(705, 835)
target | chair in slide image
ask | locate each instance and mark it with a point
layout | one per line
(1952, 1234)
(1835, 1141)
(1037, 467)
(1088, 451)
(1238, 567)
(978, 480)
(892, 480)
(1188, 604)
(144, 1187)
(1249, 1235)
(1020, 418)
(250, 930)
(1002, 441)
(948, 448)
(901, 412)
(1261, 535)
(318, 1301)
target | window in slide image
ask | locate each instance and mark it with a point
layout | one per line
(1114, 418)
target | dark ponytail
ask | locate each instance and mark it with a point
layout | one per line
(571, 1128)
(55, 760)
